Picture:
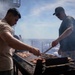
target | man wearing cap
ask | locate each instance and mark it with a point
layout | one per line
(66, 37)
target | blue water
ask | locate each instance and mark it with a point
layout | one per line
(43, 45)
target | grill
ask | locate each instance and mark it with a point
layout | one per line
(52, 65)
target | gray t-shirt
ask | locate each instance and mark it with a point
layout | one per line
(68, 43)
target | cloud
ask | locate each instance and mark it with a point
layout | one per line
(33, 26)
(39, 30)
(36, 11)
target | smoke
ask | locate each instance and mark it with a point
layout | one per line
(3, 8)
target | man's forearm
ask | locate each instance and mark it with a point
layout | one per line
(65, 33)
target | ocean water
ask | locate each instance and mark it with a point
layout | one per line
(43, 45)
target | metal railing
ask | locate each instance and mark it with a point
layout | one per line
(14, 3)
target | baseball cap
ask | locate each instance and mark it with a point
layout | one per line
(58, 10)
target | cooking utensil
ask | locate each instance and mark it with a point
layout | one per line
(47, 50)
(42, 54)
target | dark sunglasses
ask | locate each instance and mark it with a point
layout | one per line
(58, 14)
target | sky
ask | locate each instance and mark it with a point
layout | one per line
(37, 20)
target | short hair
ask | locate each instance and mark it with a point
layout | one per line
(14, 11)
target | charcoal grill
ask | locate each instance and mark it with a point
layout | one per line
(52, 66)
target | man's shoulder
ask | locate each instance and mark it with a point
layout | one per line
(2, 22)
(4, 25)
(70, 17)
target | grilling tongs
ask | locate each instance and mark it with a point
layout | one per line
(42, 54)
(47, 50)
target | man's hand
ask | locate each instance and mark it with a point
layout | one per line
(54, 43)
(35, 51)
